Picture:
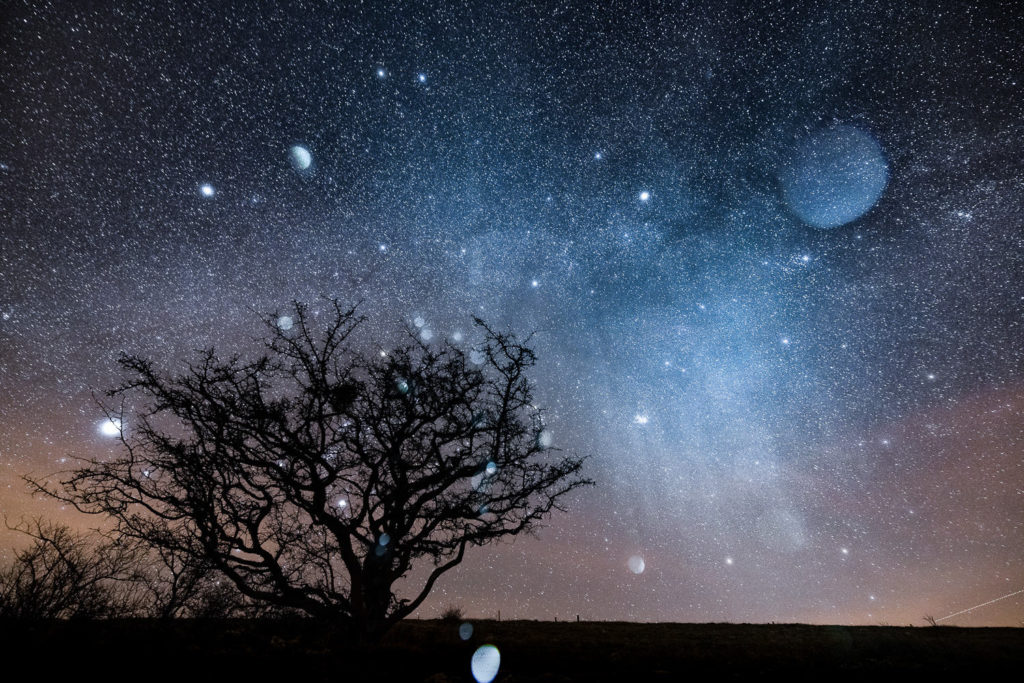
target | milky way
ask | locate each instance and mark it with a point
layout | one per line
(773, 258)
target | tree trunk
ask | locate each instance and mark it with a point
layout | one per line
(372, 605)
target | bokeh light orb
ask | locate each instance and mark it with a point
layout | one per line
(466, 630)
(300, 157)
(834, 176)
(485, 663)
(636, 564)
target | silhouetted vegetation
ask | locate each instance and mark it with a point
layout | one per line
(64, 574)
(452, 613)
(315, 475)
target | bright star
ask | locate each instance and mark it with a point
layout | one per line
(422, 78)
(110, 427)
(207, 190)
(645, 196)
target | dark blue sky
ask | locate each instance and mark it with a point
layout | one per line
(787, 421)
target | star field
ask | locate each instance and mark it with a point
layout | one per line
(772, 256)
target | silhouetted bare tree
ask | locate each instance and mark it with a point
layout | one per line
(316, 474)
(63, 574)
(87, 575)
(175, 584)
(173, 581)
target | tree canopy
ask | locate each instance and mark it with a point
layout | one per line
(317, 473)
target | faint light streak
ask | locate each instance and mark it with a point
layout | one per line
(971, 609)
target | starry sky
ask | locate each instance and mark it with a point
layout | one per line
(772, 254)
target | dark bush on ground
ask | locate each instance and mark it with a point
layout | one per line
(452, 613)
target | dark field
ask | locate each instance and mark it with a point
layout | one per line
(305, 650)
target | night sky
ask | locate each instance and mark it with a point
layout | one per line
(773, 256)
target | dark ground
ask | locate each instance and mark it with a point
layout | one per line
(306, 651)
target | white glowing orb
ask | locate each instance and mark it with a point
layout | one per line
(545, 439)
(111, 427)
(834, 176)
(300, 157)
(206, 189)
(636, 564)
(485, 663)
(285, 322)
(645, 196)
(641, 419)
